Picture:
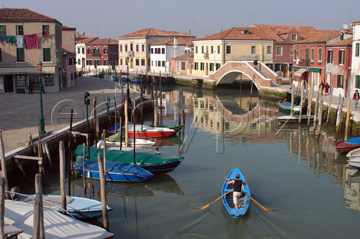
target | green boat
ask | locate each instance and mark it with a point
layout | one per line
(150, 162)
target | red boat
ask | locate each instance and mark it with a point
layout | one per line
(145, 131)
(345, 147)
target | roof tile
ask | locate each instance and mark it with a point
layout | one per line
(24, 15)
(152, 32)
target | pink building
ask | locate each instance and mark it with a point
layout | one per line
(68, 57)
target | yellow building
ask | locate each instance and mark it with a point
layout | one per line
(235, 44)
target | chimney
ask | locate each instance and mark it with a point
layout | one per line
(189, 31)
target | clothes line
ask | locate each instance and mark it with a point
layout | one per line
(28, 41)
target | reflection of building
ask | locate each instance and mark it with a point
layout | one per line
(352, 188)
(28, 37)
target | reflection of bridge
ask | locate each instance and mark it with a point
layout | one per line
(261, 75)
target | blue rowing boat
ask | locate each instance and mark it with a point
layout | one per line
(115, 172)
(244, 201)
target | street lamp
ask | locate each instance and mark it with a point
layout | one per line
(39, 67)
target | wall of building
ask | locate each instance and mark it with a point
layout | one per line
(355, 65)
(80, 57)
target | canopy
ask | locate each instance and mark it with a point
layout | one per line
(300, 72)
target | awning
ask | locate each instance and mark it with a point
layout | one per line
(315, 69)
(300, 72)
(26, 70)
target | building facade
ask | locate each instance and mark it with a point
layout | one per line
(183, 64)
(134, 48)
(81, 53)
(235, 44)
(68, 55)
(162, 52)
(355, 65)
(30, 38)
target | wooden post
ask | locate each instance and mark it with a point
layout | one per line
(2, 207)
(31, 143)
(292, 99)
(62, 173)
(134, 100)
(126, 123)
(156, 123)
(301, 101)
(103, 192)
(38, 225)
(310, 96)
(316, 110)
(104, 132)
(3, 162)
(339, 115)
(115, 115)
(84, 176)
(161, 107)
(121, 135)
(320, 117)
(329, 106)
(347, 120)
(141, 105)
(46, 147)
(69, 154)
(95, 121)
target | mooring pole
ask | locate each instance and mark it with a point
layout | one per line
(62, 174)
(103, 192)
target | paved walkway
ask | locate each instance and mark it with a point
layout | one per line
(20, 112)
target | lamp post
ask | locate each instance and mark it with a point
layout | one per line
(39, 67)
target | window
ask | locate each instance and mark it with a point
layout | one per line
(74, 60)
(19, 30)
(357, 81)
(89, 62)
(70, 61)
(253, 49)
(82, 50)
(196, 66)
(330, 57)
(121, 62)
(152, 51)
(2, 30)
(46, 54)
(196, 49)
(79, 62)
(291, 51)
(183, 65)
(78, 50)
(94, 51)
(341, 57)
(295, 54)
(126, 47)
(340, 81)
(202, 66)
(0, 56)
(218, 49)
(218, 66)
(320, 54)
(142, 47)
(137, 48)
(105, 50)
(143, 62)
(301, 56)
(163, 63)
(293, 37)
(137, 62)
(279, 51)
(211, 66)
(306, 54)
(120, 48)
(212, 49)
(202, 49)
(131, 47)
(312, 54)
(228, 49)
(268, 49)
(45, 30)
(163, 50)
(357, 49)
(106, 62)
(20, 55)
(89, 51)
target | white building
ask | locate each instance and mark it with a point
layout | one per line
(81, 53)
(162, 52)
(355, 64)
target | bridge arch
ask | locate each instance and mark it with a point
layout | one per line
(230, 76)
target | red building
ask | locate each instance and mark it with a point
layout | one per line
(101, 52)
(311, 57)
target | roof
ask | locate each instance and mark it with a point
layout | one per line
(152, 32)
(276, 31)
(185, 56)
(346, 42)
(86, 40)
(239, 33)
(67, 28)
(356, 22)
(103, 41)
(181, 41)
(321, 37)
(23, 15)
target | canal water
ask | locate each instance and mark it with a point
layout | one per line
(307, 185)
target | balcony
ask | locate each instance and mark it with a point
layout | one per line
(303, 62)
(130, 53)
(206, 55)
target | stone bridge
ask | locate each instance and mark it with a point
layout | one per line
(260, 75)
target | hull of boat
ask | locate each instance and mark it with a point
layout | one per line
(345, 147)
(149, 134)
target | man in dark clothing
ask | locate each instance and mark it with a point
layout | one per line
(237, 189)
(356, 97)
(30, 87)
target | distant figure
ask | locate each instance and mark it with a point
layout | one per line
(30, 87)
(42, 87)
(237, 189)
(327, 86)
(256, 64)
(356, 97)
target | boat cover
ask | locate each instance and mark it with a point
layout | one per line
(124, 157)
(57, 225)
(355, 140)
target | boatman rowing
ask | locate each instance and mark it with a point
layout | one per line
(237, 189)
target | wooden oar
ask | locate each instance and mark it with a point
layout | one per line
(262, 207)
(208, 205)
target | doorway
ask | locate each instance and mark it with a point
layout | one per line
(8, 83)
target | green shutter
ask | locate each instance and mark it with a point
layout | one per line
(20, 55)
(357, 81)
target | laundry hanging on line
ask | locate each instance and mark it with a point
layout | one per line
(20, 41)
(31, 41)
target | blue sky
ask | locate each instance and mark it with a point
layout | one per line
(112, 18)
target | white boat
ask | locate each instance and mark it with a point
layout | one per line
(100, 145)
(354, 155)
(294, 118)
(354, 164)
(56, 225)
(114, 140)
(146, 131)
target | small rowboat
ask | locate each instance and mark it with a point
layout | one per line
(294, 118)
(354, 156)
(348, 145)
(78, 207)
(285, 107)
(244, 201)
(355, 164)
(146, 131)
(115, 172)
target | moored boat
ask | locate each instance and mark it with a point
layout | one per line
(354, 155)
(56, 225)
(146, 131)
(285, 107)
(115, 172)
(227, 200)
(348, 145)
(294, 118)
(354, 164)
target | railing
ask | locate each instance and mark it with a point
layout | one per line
(303, 62)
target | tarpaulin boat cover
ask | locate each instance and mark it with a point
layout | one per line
(124, 157)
